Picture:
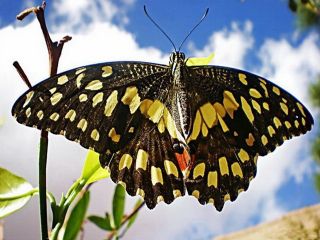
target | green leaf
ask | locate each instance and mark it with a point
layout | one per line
(15, 192)
(200, 61)
(92, 170)
(134, 217)
(118, 205)
(77, 217)
(103, 223)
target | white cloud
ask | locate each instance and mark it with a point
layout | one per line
(103, 41)
(81, 13)
(229, 46)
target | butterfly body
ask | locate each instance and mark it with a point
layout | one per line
(163, 130)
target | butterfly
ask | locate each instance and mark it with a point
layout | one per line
(163, 130)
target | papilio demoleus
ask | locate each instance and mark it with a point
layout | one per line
(163, 130)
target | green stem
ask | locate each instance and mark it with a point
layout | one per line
(65, 207)
(43, 184)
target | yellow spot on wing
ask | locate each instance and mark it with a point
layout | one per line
(276, 90)
(266, 106)
(144, 106)
(212, 179)
(169, 123)
(155, 111)
(209, 114)
(271, 131)
(263, 81)
(161, 126)
(223, 124)
(288, 124)
(264, 140)
(301, 109)
(236, 170)
(111, 103)
(107, 71)
(140, 192)
(170, 168)
(277, 122)
(156, 175)
(131, 98)
(28, 112)
(55, 98)
(303, 121)
(242, 78)
(284, 108)
(254, 93)
(142, 159)
(160, 198)
(53, 90)
(247, 109)
(243, 155)
(113, 135)
(129, 95)
(176, 193)
(204, 130)
(83, 97)
(97, 99)
(296, 123)
(62, 79)
(196, 193)
(266, 94)
(40, 114)
(199, 170)
(71, 114)
(54, 116)
(223, 165)
(29, 96)
(82, 124)
(219, 109)
(125, 161)
(94, 85)
(226, 197)
(256, 106)
(95, 135)
(78, 80)
(230, 103)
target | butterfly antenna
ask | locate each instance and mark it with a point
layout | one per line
(203, 17)
(145, 11)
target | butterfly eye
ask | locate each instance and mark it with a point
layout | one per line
(178, 148)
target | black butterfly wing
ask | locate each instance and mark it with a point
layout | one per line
(147, 165)
(238, 117)
(115, 109)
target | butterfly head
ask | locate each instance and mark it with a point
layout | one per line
(177, 58)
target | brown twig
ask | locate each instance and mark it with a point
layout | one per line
(54, 52)
(22, 73)
(125, 220)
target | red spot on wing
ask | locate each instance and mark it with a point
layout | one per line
(185, 160)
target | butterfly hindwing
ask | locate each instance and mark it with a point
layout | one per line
(238, 117)
(147, 166)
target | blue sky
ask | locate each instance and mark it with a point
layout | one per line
(258, 36)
